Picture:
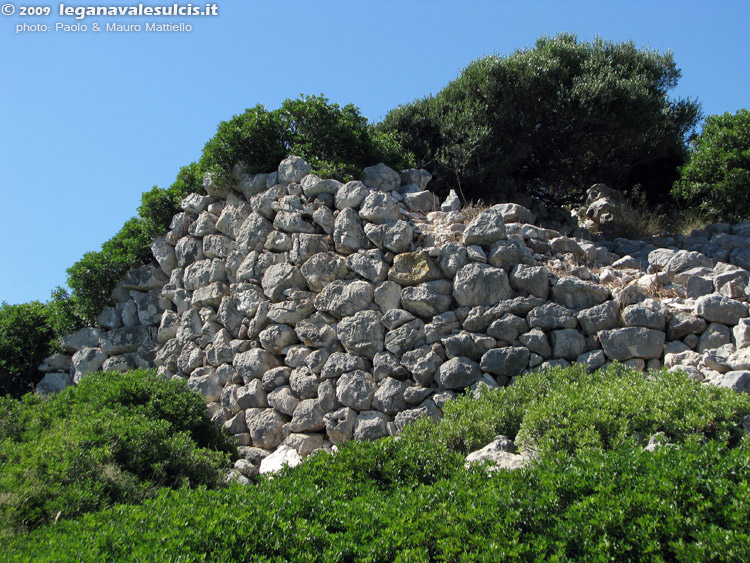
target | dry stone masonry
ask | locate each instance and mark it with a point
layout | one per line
(309, 312)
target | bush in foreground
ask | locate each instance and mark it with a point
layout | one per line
(114, 438)
(412, 500)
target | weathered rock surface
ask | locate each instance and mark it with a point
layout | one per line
(309, 312)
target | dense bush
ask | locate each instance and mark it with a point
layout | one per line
(716, 178)
(26, 335)
(336, 141)
(567, 409)
(114, 438)
(30, 332)
(412, 500)
(552, 120)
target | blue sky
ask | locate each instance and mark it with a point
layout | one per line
(89, 121)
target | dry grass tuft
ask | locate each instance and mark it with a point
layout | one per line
(472, 209)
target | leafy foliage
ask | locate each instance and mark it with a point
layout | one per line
(26, 334)
(113, 438)
(716, 178)
(552, 120)
(336, 141)
(411, 499)
(30, 332)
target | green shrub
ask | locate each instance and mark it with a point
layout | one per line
(552, 120)
(566, 409)
(412, 500)
(610, 408)
(114, 438)
(686, 504)
(26, 335)
(336, 141)
(716, 178)
(30, 332)
(62, 312)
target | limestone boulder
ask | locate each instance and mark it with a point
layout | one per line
(279, 278)
(254, 363)
(123, 340)
(379, 207)
(292, 169)
(719, 309)
(422, 363)
(480, 284)
(83, 338)
(381, 178)
(389, 396)
(348, 234)
(361, 333)
(54, 382)
(508, 361)
(458, 373)
(351, 195)
(577, 294)
(371, 425)
(533, 280)
(414, 268)
(508, 253)
(632, 342)
(344, 298)
(600, 317)
(340, 425)
(87, 360)
(427, 300)
(498, 455)
(486, 228)
(308, 417)
(355, 389)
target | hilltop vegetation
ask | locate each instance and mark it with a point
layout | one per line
(548, 122)
(716, 177)
(592, 493)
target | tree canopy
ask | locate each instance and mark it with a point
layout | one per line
(552, 120)
(716, 177)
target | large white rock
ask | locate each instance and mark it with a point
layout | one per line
(292, 169)
(480, 284)
(500, 454)
(381, 178)
(284, 456)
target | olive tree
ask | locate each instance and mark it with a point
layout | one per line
(551, 120)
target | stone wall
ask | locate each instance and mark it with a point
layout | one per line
(310, 312)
